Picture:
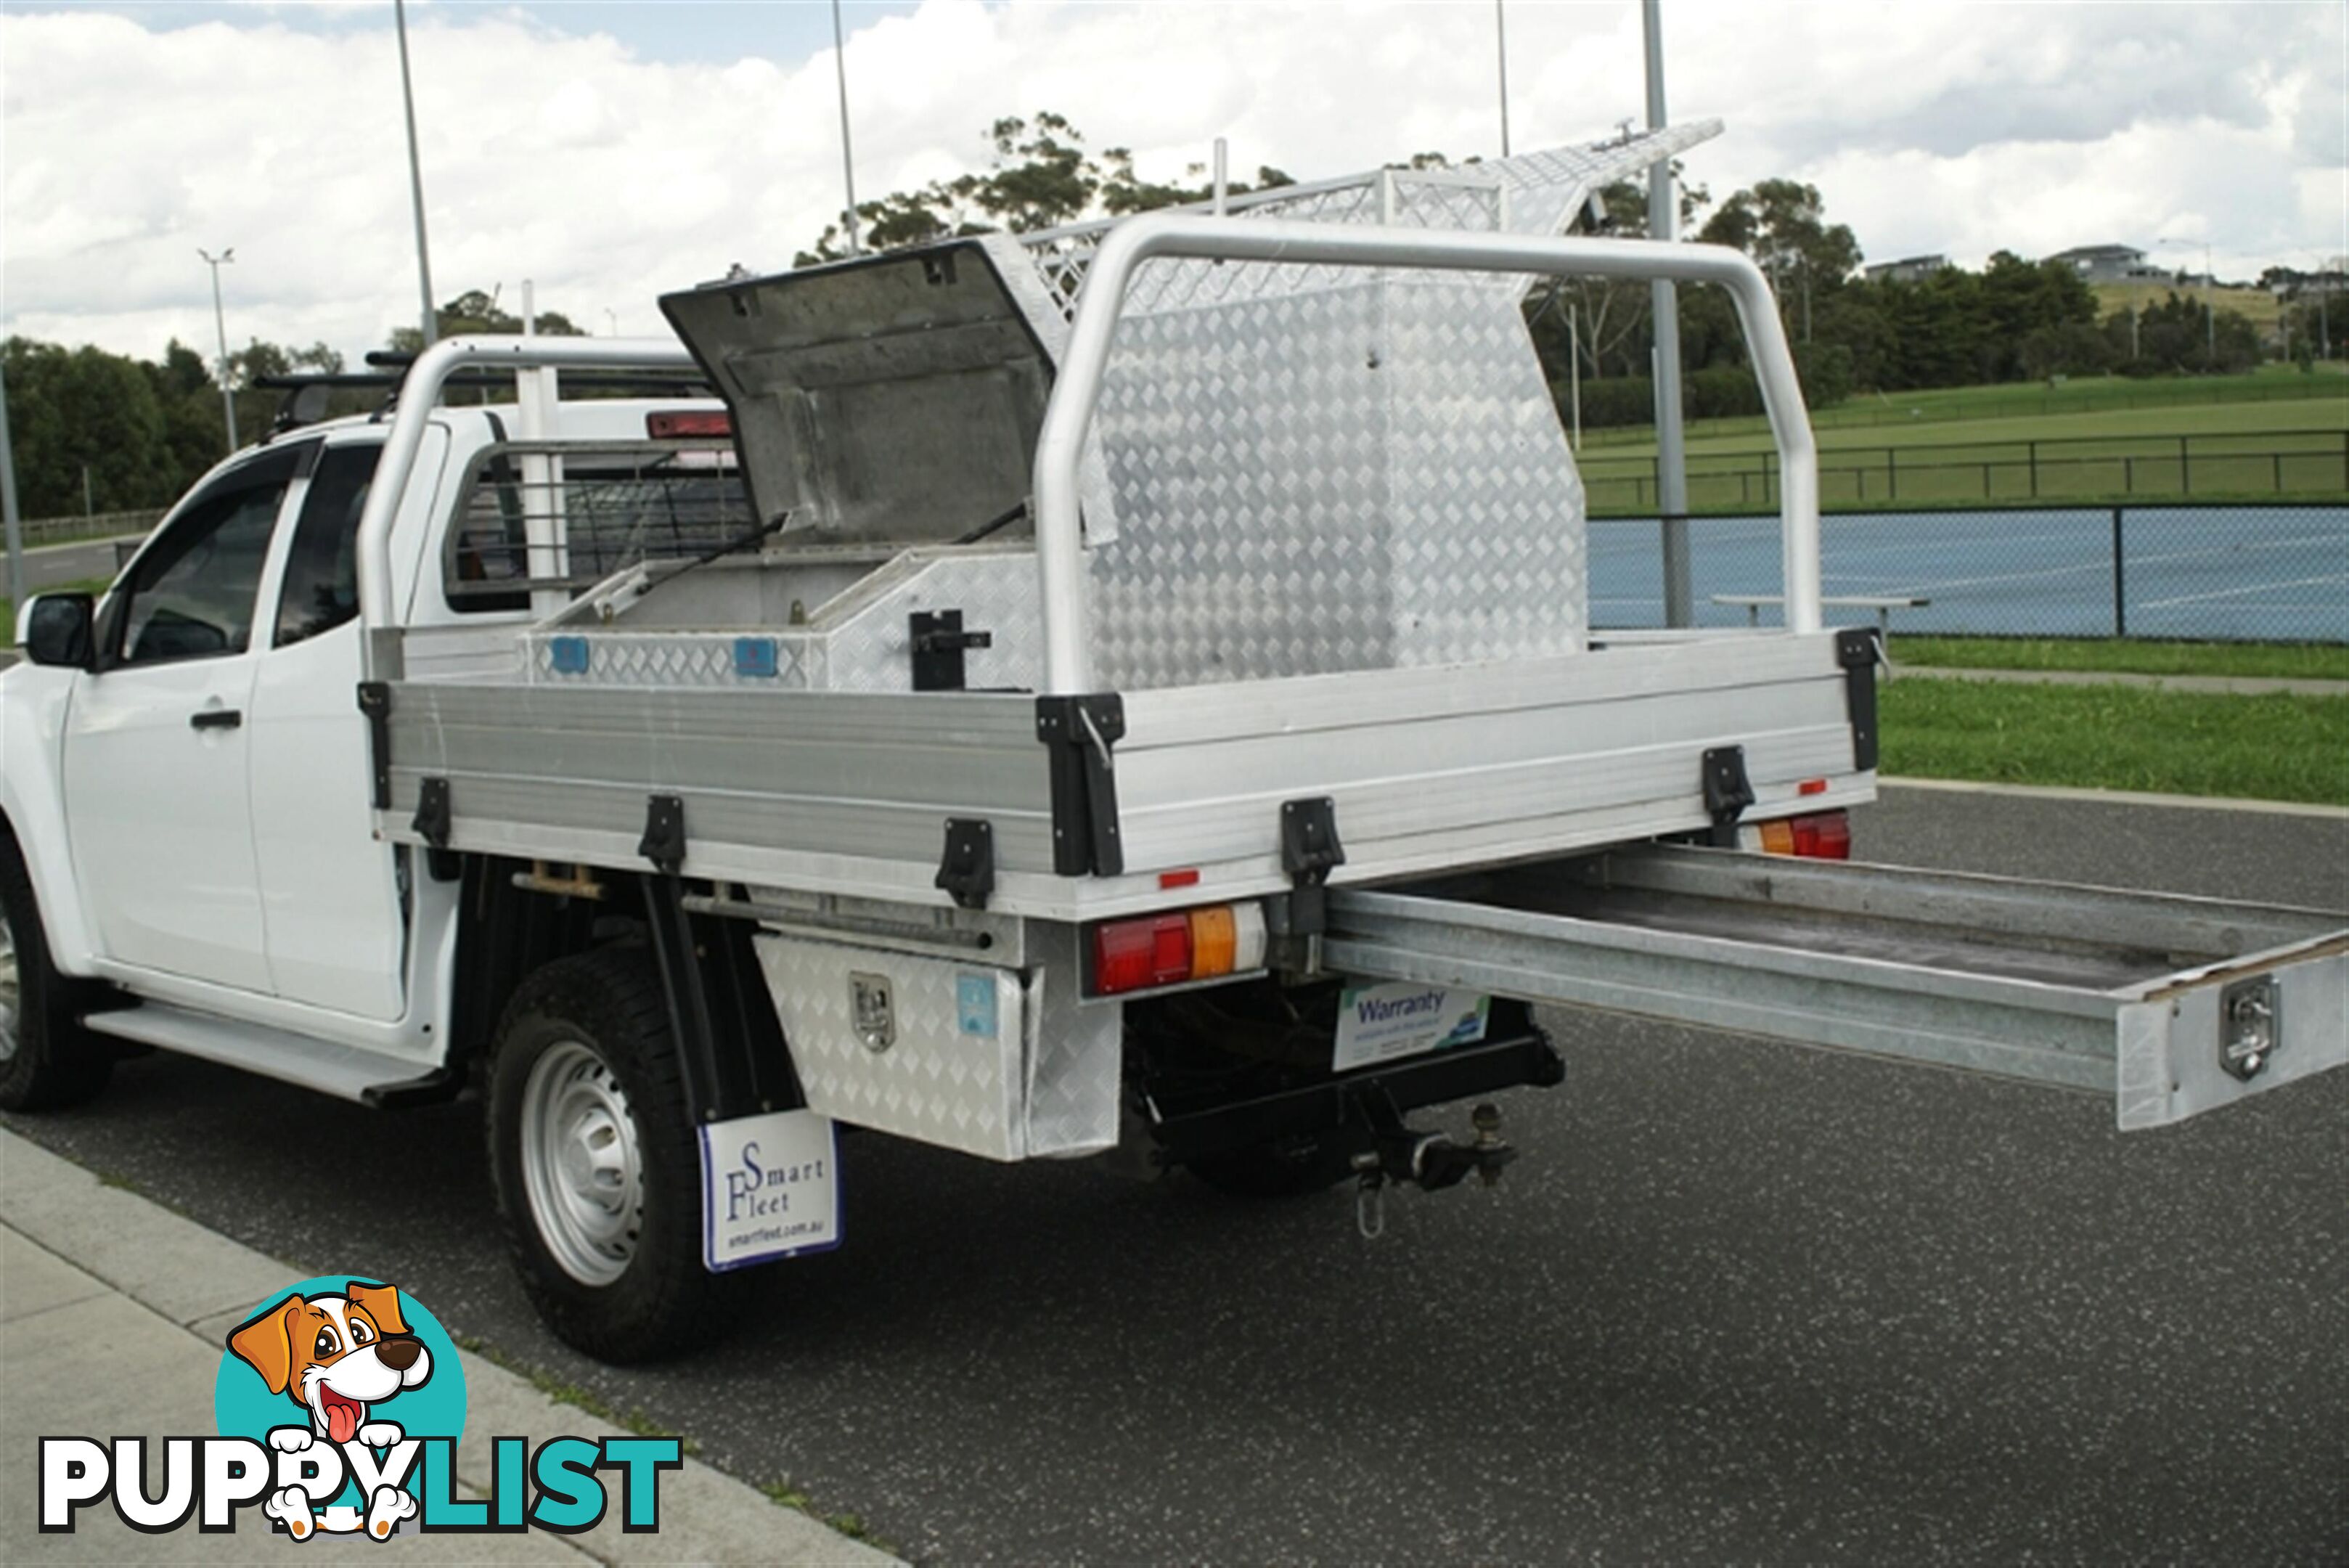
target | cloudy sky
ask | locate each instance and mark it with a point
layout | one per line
(611, 151)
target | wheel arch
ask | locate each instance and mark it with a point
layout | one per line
(33, 705)
(729, 1038)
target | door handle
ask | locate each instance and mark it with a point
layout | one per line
(215, 719)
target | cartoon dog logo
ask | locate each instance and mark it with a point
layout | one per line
(338, 1357)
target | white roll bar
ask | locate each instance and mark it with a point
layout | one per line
(418, 396)
(1068, 654)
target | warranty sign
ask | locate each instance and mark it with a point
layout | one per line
(1383, 1023)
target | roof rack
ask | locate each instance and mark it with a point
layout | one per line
(307, 393)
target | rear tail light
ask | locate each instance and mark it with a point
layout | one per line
(1151, 951)
(1822, 836)
(680, 424)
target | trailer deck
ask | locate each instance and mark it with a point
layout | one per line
(2172, 1005)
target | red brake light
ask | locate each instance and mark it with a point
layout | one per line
(1135, 955)
(676, 425)
(1150, 951)
(1824, 837)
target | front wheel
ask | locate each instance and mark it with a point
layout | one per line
(597, 1171)
(47, 1060)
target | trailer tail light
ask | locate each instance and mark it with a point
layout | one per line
(1153, 951)
(677, 425)
(1822, 836)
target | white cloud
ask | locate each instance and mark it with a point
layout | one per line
(608, 177)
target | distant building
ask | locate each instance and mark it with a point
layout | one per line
(1908, 269)
(2283, 279)
(2107, 263)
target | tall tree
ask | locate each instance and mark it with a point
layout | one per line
(1782, 224)
(1609, 321)
(471, 311)
(1041, 176)
(82, 416)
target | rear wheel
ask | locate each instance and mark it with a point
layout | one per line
(595, 1162)
(47, 1058)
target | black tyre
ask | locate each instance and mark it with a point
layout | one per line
(1275, 1171)
(47, 1058)
(597, 1168)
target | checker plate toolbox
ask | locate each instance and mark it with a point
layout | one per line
(1082, 561)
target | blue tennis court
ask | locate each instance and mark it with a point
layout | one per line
(2222, 573)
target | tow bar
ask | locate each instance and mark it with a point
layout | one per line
(1428, 1160)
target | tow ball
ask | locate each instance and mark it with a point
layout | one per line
(1428, 1160)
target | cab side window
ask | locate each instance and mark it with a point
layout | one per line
(322, 575)
(192, 593)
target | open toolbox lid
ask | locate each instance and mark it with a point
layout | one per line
(886, 399)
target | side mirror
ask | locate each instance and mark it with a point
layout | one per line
(54, 628)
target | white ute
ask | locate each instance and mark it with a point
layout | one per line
(1125, 688)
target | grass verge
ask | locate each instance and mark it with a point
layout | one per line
(564, 1392)
(789, 1496)
(2120, 737)
(2290, 661)
(2015, 400)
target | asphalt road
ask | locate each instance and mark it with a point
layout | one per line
(54, 564)
(1738, 1301)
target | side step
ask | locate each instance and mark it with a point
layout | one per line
(2173, 1005)
(342, 1071)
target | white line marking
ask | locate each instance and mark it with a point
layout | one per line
(2239, 593)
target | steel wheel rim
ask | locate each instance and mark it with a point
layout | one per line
(581, 1163)
(11, 993)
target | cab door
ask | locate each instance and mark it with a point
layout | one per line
(330, 889)
(157, 752)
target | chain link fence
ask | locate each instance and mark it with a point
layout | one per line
(1893, 410)
(2163, 467)
(2277, 573)
(40, 530)
(2263, 572)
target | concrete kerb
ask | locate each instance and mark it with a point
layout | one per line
(121, 1290)
(2122, 797)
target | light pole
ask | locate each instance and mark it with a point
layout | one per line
(1671, 459)
(1501, 38)
(847, 155)
(220, 326)
(1573, 370)
(8, 517)
(2326, 273)
(429, 319)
